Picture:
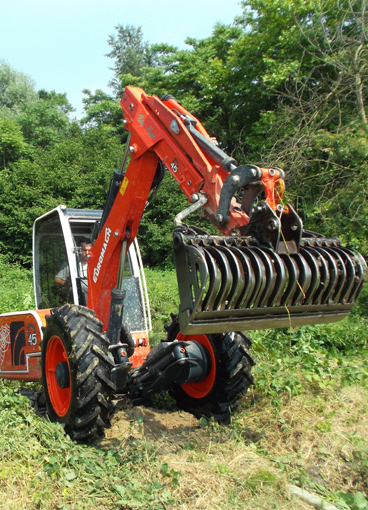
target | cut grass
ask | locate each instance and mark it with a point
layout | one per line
(163, 459)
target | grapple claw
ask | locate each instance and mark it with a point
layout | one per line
(234, 283)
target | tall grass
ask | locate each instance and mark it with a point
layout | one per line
(16, 288)
(164, 300)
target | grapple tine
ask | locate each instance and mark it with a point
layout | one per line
(249, 278)
(349, 273)
(281, 278)
(333, 271)
(270, 276)
(238, 279)
(214, 283)
(359, 277)
(304, 281)
(226, 277)
(260, 275)
(315, 275)
(191, 269)
(323, 273)
(292, 280)
(341, 271)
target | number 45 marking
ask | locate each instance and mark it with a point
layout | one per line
(32, 339)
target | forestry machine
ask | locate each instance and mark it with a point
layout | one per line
(87, 341)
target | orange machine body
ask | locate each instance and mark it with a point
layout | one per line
(20, 337)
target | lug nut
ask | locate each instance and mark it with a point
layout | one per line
(131, 149)
(219, 218)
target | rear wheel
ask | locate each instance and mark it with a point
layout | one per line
(76, 372)
(229, 377)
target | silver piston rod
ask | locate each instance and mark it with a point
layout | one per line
(234, 284)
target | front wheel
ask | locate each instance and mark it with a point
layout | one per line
(76, 372)
(228, 379)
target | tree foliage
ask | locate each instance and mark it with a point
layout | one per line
(75, 171)
(318, 127)
(284, 85)
(16, 89)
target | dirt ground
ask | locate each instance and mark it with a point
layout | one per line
(201, 465)
(145, 422)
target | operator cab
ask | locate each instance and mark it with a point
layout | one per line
(57, 252)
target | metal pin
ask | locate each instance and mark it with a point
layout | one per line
(235, 179)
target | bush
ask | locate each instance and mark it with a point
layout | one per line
(16, 288)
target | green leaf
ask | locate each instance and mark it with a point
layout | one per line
(70, 475)
(360, 501)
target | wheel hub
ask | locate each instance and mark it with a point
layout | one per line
(62, 375)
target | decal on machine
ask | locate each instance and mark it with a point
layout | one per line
(96, 270)
(175, 165)
(124, 185)
(18, 342)
(4, 341)
(32, 337)
(149, 130)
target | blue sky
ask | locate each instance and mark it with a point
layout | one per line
(61, 44)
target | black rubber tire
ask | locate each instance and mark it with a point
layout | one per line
(232, 380)
(89, 405)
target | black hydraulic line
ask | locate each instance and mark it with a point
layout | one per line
(209, 148)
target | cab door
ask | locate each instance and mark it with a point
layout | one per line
(53, 255)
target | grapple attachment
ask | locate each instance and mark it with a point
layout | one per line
(236, 283)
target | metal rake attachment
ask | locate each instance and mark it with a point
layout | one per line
(234, 284)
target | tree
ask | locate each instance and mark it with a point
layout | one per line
(16, 89)
(131, 57)
(75, 171)
(316, 127)
(12, 142)
(130, 53)
(104, 111)
(45, 121)
(42, 117)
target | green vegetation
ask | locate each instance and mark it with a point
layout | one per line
(284, 85)
(16, 287)
(304, 423)
(164, 300)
